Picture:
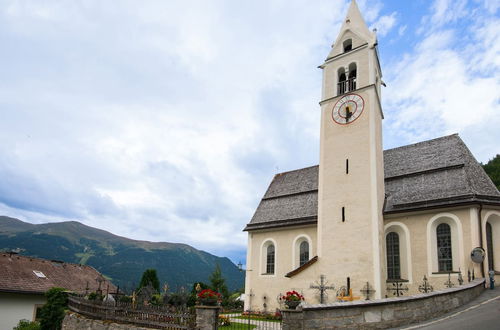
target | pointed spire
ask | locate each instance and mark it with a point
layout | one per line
(355, 23)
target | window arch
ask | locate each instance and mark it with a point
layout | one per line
(402, 254)
(342, 81)
(352, 76)
(302, 250)
(444, 248)
(347, 45)
(393, 256)
(303, 253)
(492, 238)
(447, 254)
(270, 259)
(347, 79)
(489, 246)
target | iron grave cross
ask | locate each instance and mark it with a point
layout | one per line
(367, 290)
(322, 287)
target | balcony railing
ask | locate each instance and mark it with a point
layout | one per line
(346, 86)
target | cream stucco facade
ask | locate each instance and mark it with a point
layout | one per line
(420, 199)
(418, 255)
(17, 306)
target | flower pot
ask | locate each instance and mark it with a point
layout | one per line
(208, 302)
(292, 304)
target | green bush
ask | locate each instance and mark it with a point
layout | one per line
(95, 296)
(52, 313)
(27, 325)
(157, 300)
(126, 299)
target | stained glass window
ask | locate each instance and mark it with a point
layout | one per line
(270, 260)
(304, 252)
(489, 246)
(393, 261)
(445, 261)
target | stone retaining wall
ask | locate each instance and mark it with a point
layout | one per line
(383, 313)
(74, 321)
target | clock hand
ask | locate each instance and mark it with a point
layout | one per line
(348, 114)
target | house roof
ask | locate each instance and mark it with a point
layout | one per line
(23, 274)
(435, 173)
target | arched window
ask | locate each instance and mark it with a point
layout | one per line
(304, 253)
(489, 246)
(393, 261)
(352, 76)
(443, 235)
(342, 84)
(270, 259)
(347, 45)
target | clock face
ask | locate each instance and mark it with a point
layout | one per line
(348, 109)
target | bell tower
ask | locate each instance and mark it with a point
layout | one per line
(351, 171)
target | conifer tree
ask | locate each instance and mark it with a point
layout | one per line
(217, 282)
(492, 168)
(150, 277)
(52, 313)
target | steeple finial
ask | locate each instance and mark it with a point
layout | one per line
(354, 20)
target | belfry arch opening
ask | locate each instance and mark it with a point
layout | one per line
(347, 79)
(347, 45)
(352, 76)
(342, 84)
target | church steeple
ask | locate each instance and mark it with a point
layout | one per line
(351, 169)
(354, 24)
(353, 61)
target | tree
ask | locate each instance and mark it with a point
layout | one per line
(27, 325)
(492, 168)
(149, 277)
(52, 313)
(217, 282)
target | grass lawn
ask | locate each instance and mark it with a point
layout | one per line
(236, 326)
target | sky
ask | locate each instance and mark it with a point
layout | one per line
(167, 120)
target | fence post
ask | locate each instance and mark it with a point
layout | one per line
(292, 319)
(207, 317)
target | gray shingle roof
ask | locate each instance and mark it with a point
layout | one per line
(430, 174)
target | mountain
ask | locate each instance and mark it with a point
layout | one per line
(121, 259)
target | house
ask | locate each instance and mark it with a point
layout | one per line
(366, 218)
(24, 281)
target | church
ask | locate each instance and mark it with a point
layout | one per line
(367, 218)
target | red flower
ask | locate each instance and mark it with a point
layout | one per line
(207, 293)
(292, 296)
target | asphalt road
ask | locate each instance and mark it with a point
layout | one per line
(483, 313)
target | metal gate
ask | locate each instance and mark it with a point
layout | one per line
(249, 320)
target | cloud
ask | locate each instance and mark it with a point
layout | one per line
(385, 23)
(167, 120)
(448, 84)
(370, 9)
(164, 121)
(444, 12)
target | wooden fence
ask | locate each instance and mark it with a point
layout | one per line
(158, 317)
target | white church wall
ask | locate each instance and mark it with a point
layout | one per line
(265, 288)
(422, 259)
